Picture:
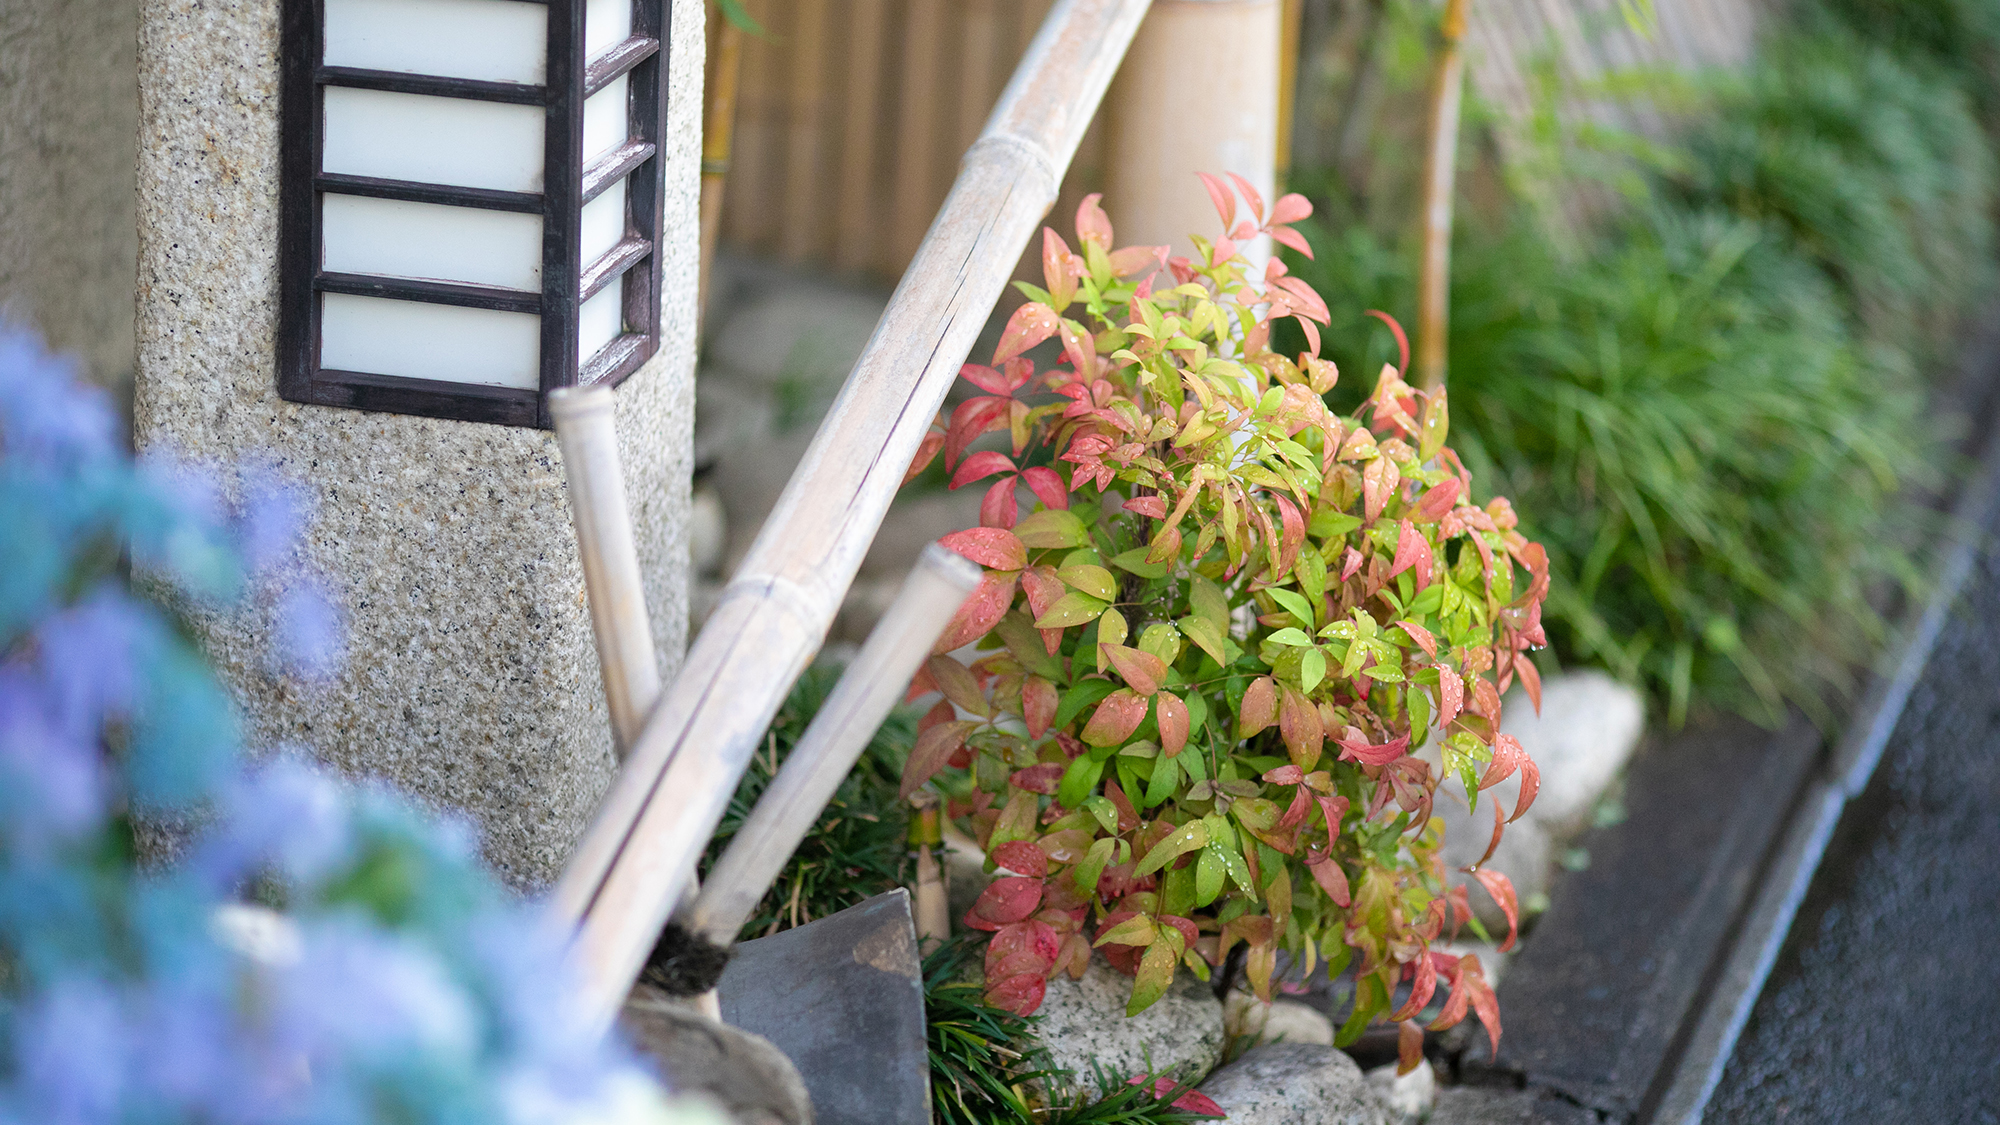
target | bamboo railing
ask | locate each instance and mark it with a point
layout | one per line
(639, 855)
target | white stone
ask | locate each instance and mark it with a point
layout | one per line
(472, 678)
(708, 531)
(1588, 728)
(1083, 1021)
(1408, 1096)
(1295, 1084)
(1280, 1021)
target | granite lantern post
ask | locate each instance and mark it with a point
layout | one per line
(373, 235)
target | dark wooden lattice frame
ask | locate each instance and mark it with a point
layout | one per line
(569, 79)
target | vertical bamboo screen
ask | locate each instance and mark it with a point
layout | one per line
(852, 119)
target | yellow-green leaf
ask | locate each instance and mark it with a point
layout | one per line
(1186, 839)
(1072, 608)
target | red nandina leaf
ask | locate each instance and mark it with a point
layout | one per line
(944, 712)
(1438, 500)
(1358, 750)
(1224, 200)
(1451, 695)
(1293, 239)
(1402, 341)
(1047, 485)
(956, 681)
(1294, 535)
(921, 685)
(1290, 208)
(1493, 845)
(1043, 587)
(972, 418)
(1154, 506)
(1327, 873)
(1506, 759)
(1007, 900)
(1021, 994)
(983, 610)
(1030, 325)
(1039, 700)
(1250, 195)
(981, 465)
(998, 508)
(1350, 564)
(1485, 700)
(1194, 1101)
(1531, 679)
(988, 379)
(1285, 775)
(1409, 1047)
(1128, 817)
(1142, 670)
(1115, 719)
(1422, 985)
(1023, 858)
(1092, 224)
(1502, 889)
(927, 450)
(1299, 725)
(1334, 809)
(1420, 635)
(1043, 778)
(1131, 261)
(1531, 784)
(992, 547)
(1472, 979)
(1305, 299)
(1056, 269)
(1173, 720)
(1378, 482)
(933, 747)
(1035, 938)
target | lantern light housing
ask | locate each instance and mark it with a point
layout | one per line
(470, 201)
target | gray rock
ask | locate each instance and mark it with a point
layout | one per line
(1409, 1097)
(745, 1074)
(1281, 1021)
(1589, 726)
(1083, 1021)
(1486, 1105)
(1295, 1084)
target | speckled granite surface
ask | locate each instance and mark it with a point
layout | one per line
(472, 678)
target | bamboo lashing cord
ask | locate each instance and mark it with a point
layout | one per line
(640, 852)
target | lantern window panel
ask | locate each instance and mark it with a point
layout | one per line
(471, 201)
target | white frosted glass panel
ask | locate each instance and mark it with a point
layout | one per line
(433, 140)
(394, 238)
(604, 120)
(602, 319)
(415, 340)
(606, 23)
(603, 222)
(494, 40)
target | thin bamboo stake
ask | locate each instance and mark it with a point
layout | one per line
(1290, 19)
(585, 429)
(718, 134)
(1440, 173)
(632, 864)
(831, 745)
(930, 902)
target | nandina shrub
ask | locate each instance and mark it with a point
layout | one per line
(1232, 650)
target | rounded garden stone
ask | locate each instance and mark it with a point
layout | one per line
(1083, 1022)
(1295, 1084)
(1280, 1021)
(1410, 1097)
(753, 1081)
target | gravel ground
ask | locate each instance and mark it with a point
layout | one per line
(1885, 1003)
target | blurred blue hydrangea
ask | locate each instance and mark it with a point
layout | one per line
(319, 953)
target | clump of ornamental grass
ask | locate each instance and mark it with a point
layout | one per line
(1230, 645)
(858, 847)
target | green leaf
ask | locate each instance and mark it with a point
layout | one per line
(1330, 524)
(1209, 874)
(1239, 870)
(1103, 809)
(1295, 604)
(1090, 579)
(1207, 636)
(1091, 867)
(1208, 602)
(1136, 930)
(1071, 609)
(1134, 562)
(1166, 775)
(1310, 573)
(1079, 699)
(1156, 972)
(1026, 646)
(1291, 638)
(1055, 527)
(1369, 998)
(1184, 840)
(1312, 669)
(1078, 781)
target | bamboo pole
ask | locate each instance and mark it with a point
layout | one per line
(1290, 20)
(803, 235)
(1440, 173)
(585, 429)
(640, 852)
(831, 744)
(857, 217)
(718, 134)
(919, 121)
